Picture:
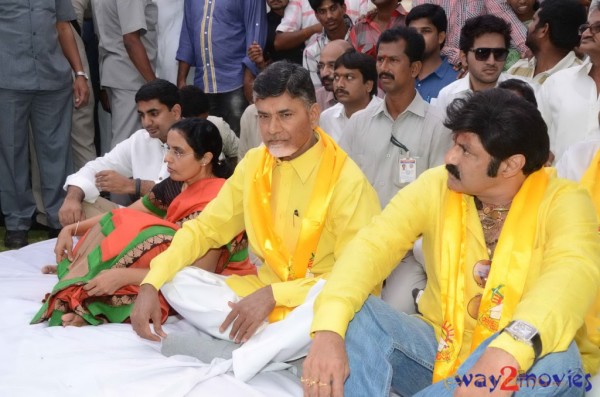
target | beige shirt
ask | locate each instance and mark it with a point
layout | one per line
(249, 132)
(526, 67)
(113, 19)
(367, 139)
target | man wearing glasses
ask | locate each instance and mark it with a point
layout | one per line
(484, 43)
(511, 256)
(568, 99)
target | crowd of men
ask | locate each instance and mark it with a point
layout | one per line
(393, 153)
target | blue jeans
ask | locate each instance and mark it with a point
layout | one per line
(388, 350)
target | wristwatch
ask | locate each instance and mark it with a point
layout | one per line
(83, 74)
(526, 333)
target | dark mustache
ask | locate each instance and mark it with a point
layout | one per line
(451, 168)
(340, 91)
(385, 74)
(327, 78)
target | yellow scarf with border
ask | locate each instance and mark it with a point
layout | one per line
(287, 266)
(507, 276)
(591, 182)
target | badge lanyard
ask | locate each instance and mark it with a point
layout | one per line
(407, 166)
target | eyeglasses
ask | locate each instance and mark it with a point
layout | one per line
(483, 54)
(594, 28)
(177, 153)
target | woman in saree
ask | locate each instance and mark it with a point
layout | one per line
(99, 278)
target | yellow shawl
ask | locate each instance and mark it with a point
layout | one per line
(591, 181)
(286, 265)
(507, 275)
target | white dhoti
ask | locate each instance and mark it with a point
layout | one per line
(202, 299)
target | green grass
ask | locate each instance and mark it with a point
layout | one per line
(35, 235)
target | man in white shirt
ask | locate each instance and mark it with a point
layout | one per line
(355, 87)
(568, 100)
(326, 66)
(299, 23)
(336, 26)
(484, 43)
(127, 45)
(395, 141)
(551, 36)
(135, 164)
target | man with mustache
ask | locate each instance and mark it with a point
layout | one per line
(336, 26)
(300, 199)
(329, 54)
(484, 43)
(355, 87)
(511, 255)
(396, 140)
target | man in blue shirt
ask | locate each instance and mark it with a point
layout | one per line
(215, 36)
(430, 20)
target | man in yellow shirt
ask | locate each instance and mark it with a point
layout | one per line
(299, 198)
(511, 255)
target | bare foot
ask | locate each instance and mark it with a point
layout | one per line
(72, 319)
(49, 269)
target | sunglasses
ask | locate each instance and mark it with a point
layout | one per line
(594, 28)
(483, 54)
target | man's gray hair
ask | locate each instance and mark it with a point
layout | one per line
(283, 76)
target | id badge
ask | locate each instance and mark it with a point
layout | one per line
(408, 170)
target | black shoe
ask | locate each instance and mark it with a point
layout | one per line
(14, 239)
(53, 233)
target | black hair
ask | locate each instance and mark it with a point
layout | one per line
(162, 90)
(315, 4)
(283, 76)
(519, 87)
(352, 59)
(433, 12)
(505, 123)
(563, 18)
(415, 44)
(194, 101)
(203, 137)
(478, 26)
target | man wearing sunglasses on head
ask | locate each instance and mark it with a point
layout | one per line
(568, 99)
(484, 43)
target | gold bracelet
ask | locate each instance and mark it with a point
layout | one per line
(76, 228)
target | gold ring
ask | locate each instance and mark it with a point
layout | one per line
(321, 384)
(307, 381)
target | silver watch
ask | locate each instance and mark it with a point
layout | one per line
(526, 333)
(83, 74)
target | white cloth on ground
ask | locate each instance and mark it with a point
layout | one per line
(201, 298)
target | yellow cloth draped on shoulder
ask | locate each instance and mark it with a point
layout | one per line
(591, 181)
(291, 266)
(505, 284)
